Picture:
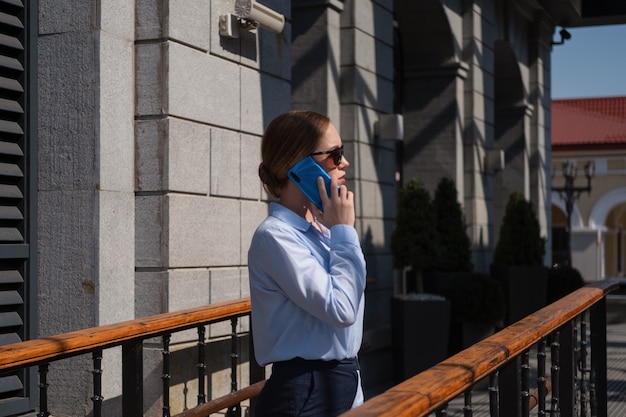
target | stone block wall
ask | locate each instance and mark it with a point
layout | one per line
(85, 188)
(202, 104)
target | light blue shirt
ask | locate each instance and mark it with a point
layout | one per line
(307, 289)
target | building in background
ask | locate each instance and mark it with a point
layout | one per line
(130, 147)
(591, 130)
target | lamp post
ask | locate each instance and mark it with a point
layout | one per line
(570, 193)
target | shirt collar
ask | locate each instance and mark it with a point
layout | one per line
(283, 213)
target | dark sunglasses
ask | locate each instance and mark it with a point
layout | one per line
(336, 154)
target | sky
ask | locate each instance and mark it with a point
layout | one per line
(590, 64)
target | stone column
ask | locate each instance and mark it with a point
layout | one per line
(511, 136)
(540, 52)
(366, 71)
(316, 56)
(433, 123)
(478, 132)
(86, 183)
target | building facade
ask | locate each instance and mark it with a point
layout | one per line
(591, 131)
(130, 161)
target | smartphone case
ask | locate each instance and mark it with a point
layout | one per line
(305, 174)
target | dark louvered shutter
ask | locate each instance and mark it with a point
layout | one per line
(17, 191)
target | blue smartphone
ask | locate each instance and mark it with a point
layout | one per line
(305, 174)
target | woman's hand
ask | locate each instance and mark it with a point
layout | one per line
(339, 207)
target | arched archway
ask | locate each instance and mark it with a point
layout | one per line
(603, 206)
(609, 215)
(425, 34)
(577, 220)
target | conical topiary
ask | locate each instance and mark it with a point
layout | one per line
(415, 241)
(520, 241)
(452, 229)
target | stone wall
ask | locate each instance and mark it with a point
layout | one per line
(86, 180)
(202, 103)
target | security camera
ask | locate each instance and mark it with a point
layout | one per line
(252, 11)
(565, 35)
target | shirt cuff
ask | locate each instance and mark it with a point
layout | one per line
(341, 233)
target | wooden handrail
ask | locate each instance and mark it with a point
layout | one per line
(224, 402)
(37, 351)
(432, 388)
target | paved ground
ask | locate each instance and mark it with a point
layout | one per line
(616, 370)
(616, 379)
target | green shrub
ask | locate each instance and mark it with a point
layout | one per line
(520, 241)
(455, 243)
(562, 281)
(415, 242)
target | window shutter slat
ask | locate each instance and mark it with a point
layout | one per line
(10, 106)
(8, 338)
(9, 127)
(10, 298)
(10, 277)
(10, 234)
(9, 63)
(10, 170)
(11, 42)
(7, 19)
(10, 384)
(10, 191)
(10, 149)
(17, 3)
(10, 319)
(10, 84)
(17, 194)
(10, 213)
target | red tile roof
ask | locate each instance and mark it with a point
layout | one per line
(589, 123)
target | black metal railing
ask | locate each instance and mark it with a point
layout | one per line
(553, 360)
(574, 328)
(130, 336)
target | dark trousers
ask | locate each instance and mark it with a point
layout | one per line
(309, 388)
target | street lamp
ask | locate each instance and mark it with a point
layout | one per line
(571, 193)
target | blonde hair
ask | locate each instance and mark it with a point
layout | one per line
(288, 138)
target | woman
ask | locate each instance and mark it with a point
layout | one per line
(307, 277)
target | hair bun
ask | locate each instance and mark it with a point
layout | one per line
(270, 182)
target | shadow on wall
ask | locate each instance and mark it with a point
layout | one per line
(184, 373)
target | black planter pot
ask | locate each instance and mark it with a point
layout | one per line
(436, 281)
(525, 289)
(464, 335)
(420, 331)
